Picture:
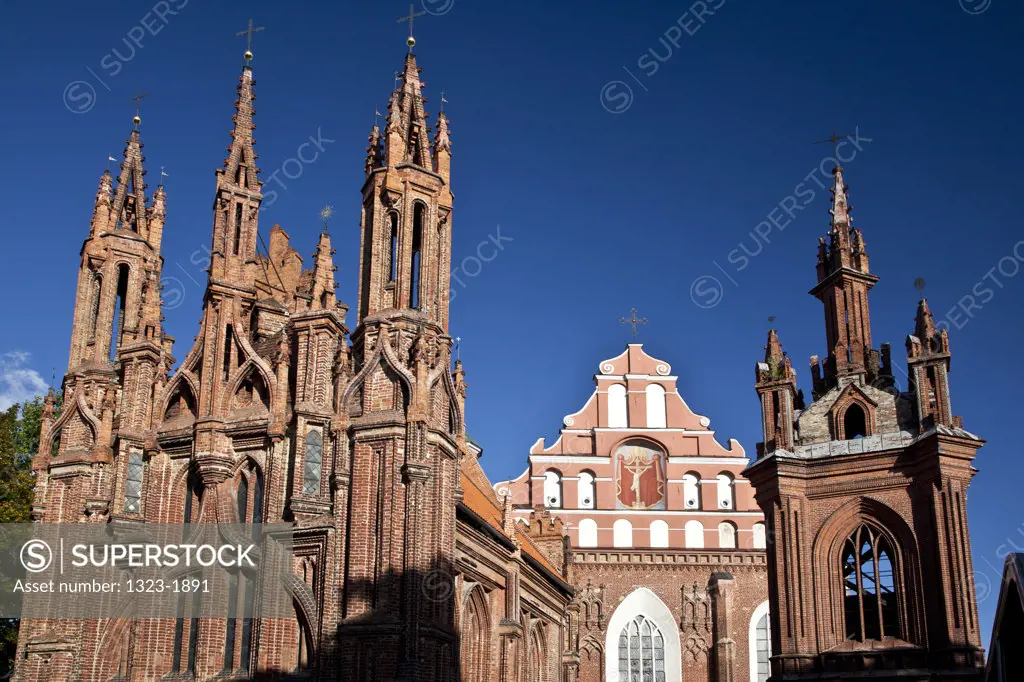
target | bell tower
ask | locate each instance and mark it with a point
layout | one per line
(402, 408)
(864, 496)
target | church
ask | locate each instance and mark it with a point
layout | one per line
(636, 547)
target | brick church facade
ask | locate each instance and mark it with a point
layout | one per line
(635, 547)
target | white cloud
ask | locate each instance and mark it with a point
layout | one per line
(18, 383)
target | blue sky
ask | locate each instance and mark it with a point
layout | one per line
(617, 176)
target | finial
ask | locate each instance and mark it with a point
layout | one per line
(163, 174)
(138, 100)
(919, 285)
(325, 214)
(248, 44)
(458, 348)
(633, 321)
(376, 117)
(410, 41)
(443, 102)
(109, 159)
(834, 139)
(771, 322)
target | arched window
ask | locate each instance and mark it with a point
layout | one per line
(475, 637)
(870, 605)
(655, 394)
(726, 535)
(622, 533)
(97, 288)
(312, 464)
(241, 585)
(618, 414)
(760, 643)
(659, 533)
(694, 535)
(725, 492)
(691, 491)
(552, 489)
(641, 651)
(585, 492)
(133, 483)
(237, 243)
(588, 533)
(193, 492)
(854, 422)
(759, 536)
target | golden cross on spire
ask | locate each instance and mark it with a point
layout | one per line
(248, 42)
(633, 321)
(410, 41)
(834, 139)
(138, 100)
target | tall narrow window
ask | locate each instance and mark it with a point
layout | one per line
(418, 215)
(655, 394)
(133, 483)
(622, 534)
(725, 492)
(588, 533)
(691, 491)
(617, 411)
(694, 535)
(249, 501)
(118, 321)
(762, 636)
(726, 535)
(312, 464)
(235, 246)
(97, 290)
(393, 248)
(871, 611)
(552, 489)
(641, 652)
(585, 493)
(228, 333)
(192, 491)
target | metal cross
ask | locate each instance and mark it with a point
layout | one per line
(834, 139)
(443, 101)
(138, 99)
(412, 15)
(248, 33)
(376, 116)
(633, 321)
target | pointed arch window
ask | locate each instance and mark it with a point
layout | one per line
(641, 651)
(241, 585)
(870, 602)
(416, 262)
(855, 423)
(393, 248)
(193, 492)
(117, 318)
(97, 288)
(312, 464)
(236, 245)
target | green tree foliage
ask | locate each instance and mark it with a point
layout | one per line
(19, 442)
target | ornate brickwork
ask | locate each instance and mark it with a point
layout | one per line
(864, 494)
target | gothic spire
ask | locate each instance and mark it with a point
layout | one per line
(323, 274)
(407, 136)
(101, 208)
(128, 208)
(845, 247)
(240, 165)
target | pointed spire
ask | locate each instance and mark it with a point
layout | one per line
(840, 201)
(845, 247)
(128, 208)
(323, 274)
(101, 208)
(408, 138)
(776, 365)
(375, 150)
(442, 141)
(240, 165)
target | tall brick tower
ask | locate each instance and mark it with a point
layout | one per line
(864, 494)
(402, 408)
